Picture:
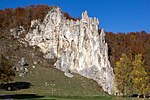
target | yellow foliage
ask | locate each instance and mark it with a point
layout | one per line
(131, 77)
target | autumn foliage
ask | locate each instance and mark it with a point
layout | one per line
(130, 76)
(131, 44)
(69, 17)
(120, 45)
(129, 55)
(10, 18)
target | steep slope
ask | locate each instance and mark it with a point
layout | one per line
(52, 82)
(45, 80)
(77, 46)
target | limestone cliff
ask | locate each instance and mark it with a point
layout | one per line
(77, 45)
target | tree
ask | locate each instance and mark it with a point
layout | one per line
(147, 62)
(7, 71)
(139, 76)
(122, 75)
(131, 77)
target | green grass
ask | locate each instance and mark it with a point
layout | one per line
(45, 80)
(76, 88)
(50, 83)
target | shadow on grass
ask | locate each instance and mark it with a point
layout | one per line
(107, 97)
(20, 96)
(15, 86)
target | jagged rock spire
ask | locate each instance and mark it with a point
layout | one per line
(77, 45)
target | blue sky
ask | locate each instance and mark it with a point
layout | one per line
(114, 15)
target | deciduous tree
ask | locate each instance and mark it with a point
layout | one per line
(122, 75)
(139, 76)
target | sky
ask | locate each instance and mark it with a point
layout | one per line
(114, 15)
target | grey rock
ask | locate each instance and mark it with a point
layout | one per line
(17, 31)
(68, 74)
(35, 62)
(22, 67)
(77, 45)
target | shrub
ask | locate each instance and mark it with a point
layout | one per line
(7, 70)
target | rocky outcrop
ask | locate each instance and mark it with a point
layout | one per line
(77, 45)
(17, 31)
(22, 67)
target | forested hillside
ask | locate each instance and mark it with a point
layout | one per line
(11, 18)
(129, 55)
(41, 76)
(126, 51)
(131, 44)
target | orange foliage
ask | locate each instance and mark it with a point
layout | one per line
(67, 16)
(131, 44)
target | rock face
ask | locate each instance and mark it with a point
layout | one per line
(17, 31)
(22, 67)
(77, 45)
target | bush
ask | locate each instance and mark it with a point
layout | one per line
(7, 70)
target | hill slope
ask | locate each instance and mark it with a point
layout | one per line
(50, 81)
(45, 80)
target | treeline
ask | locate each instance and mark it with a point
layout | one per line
(129, 55)
(131, 44)
(126, 46)
(11, 18)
